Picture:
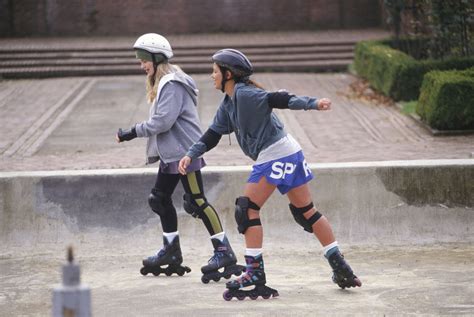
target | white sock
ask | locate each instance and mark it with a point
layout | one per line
(253, 252)
(220, 236)
(170, 235)
(329, 247)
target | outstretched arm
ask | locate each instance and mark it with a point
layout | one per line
(284, 100)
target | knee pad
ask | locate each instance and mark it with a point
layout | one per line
(191, 207)
(160, 202)
(242, 205)
(307, 224)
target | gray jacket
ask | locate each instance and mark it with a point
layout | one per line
(250, 117)
(173, 125)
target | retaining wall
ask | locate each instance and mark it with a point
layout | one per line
(406, 202)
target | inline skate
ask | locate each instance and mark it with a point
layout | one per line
(223, 257)
(170, 255)
(342, 272)
(254, 275)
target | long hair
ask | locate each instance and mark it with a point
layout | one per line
(153, 81)
(245, 80)
(252, 82)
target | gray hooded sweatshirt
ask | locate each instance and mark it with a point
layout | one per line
(173, 125)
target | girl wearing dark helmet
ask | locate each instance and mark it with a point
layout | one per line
(246, 110)
(173, 126)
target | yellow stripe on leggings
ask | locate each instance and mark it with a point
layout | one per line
(209, 211)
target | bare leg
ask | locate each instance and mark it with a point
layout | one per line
(254, 274)
(342, 272)
(258, 193)
(300, 196)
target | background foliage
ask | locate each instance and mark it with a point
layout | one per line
(432, 28)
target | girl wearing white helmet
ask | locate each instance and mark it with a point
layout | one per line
(246, 110)
(172, 127)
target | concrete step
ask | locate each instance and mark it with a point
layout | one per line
(66, 71)
(212, 47)
(38, 61)
(40, 55)
(177, 60)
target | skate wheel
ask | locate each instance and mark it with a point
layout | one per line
(187, 269)
(216, 279)
(180, 271)
(357, 282)
(240, 297)
(341, 284)
(204, 279)
(227, 296)
(143, 271)
(227, 276)
(156, 273)
(253, 297)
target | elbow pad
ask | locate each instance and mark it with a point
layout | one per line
(279, 99)
(210, 138)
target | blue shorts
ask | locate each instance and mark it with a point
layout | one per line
(286, 172)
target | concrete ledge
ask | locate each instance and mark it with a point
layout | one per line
(397, 202)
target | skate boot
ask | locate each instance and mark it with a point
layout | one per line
(170, 255)
(254, 275)
(342, 272)
(223, 257)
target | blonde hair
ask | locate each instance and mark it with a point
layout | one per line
(153, 81)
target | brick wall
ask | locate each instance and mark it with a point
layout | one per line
(5, 17)
(132, 17)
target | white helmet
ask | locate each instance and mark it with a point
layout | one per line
(154, 44)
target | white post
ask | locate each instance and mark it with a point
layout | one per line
(71, 299)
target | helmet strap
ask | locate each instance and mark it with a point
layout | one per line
(224, 78)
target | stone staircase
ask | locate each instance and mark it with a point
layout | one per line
(41, 61)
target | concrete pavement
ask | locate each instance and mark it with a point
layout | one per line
(434, 280)
(70, 123)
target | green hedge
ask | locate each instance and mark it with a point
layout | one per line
(447, 100)
(395, 73)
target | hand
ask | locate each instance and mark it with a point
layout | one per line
(324, 104)
(183, 164)
(126, 135)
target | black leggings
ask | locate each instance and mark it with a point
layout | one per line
(192, 184)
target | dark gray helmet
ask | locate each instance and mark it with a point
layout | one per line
(234, 60)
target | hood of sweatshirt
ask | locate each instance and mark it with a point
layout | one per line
(187, 82)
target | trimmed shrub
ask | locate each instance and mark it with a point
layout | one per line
(395, 73)
(447, 100)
